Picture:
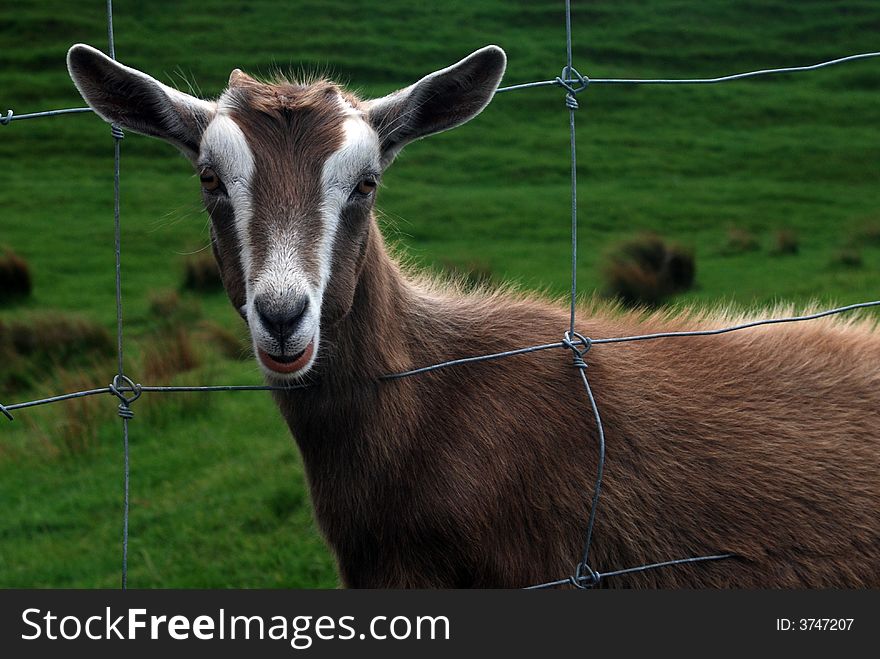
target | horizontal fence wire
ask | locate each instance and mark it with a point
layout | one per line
(595, 577)
(11, 116)
(572, 82)
(454, 362)
(580, 80)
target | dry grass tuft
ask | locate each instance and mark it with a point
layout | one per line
(201, 274)
(647, 270)
(785, 241)
(15, 277)
(740, 241)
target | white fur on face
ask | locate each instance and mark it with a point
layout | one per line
(282, 275)
(358, 156)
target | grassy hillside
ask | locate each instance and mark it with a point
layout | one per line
(218, 494)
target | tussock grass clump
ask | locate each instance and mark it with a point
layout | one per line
(15, 277)
(167, 409)
(230, 344)
(167, 309)
(869, 234)
(183, 339)
(647, 270)
(33, 348)
(59, 338)
(740, 241)
(169, 353)
(847, 257)
(785, 241)
(201, 274)
(164, 304)
(79, 419)
(173, 347)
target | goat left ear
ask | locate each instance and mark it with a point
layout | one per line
(439, 101)
(137, 102)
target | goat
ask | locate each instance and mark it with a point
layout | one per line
(763, 443)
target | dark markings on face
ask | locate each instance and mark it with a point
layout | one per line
(348, 257)
(224, 242)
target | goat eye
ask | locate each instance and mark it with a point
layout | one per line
(366, 186)
(210, 180)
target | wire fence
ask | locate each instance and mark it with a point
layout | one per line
(127, 391)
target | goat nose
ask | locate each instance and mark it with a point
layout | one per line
(281, 318)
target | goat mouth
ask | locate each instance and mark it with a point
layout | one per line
(287, 363)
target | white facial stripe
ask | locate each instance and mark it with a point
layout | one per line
(225, 145)
(359, 150)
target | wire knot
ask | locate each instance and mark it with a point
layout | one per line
(584, 577)
(5, 120)
(119, 387)
(116, 132)
(579, 345)
(574, 83)
(6, 412)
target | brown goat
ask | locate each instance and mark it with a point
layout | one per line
(762, 443)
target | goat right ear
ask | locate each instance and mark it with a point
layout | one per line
(137, 102)
(439, 101)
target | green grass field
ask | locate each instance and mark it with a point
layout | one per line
(218, 494)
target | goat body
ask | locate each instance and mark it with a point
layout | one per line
(762, 443)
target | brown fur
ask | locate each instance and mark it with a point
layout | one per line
(763, 443)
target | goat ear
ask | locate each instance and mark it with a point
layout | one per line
(439, 101)
(137, 102)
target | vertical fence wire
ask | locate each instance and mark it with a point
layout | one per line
(124, 409)
(571, 103)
